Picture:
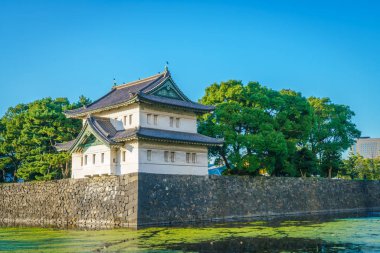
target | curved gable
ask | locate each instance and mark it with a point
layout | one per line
(168, 89)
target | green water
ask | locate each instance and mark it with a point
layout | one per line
(358, 234)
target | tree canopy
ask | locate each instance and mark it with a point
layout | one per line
(332, 133)
(28, 133)
(358, 167)
(279, 132)
(261, 126)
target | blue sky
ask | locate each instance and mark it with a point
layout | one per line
(68, 48)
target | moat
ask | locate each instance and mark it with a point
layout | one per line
(343, 233)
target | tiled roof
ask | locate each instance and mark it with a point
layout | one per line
(106, 131)
(64, 146)
(166, 135)
(175, 102)
(104, 125)
(126, 93)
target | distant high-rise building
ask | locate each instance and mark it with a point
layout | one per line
(367, 147)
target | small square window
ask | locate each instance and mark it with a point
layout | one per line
(172, 157)
(149, 155)
(155, 120)
(166, 156)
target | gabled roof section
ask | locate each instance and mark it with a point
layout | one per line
(168, 89)
(161, 86)
(106, 133)
(99, 127)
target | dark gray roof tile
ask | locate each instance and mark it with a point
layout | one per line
(175, 102)
(159, 134)
(137, 89)
(64, 146)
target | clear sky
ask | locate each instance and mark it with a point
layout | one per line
(68, 48)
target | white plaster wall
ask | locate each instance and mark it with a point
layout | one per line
(188, 121)
(90, 169)
(131, 163)
(158, 165)
(76, 167)
(117, 116)
(136, 159)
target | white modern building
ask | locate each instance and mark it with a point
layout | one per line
(148, 125)
(367, 147)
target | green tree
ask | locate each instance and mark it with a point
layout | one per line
(350, 168)
(305, 162)
(332, 133)
(358, 167)
(29, 132)
(261, 127)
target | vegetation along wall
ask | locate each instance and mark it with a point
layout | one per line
(153, 199)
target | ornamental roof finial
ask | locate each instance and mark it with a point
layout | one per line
(166, 66)
(114, 82)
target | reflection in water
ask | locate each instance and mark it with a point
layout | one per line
(243, 245)
(314, 234)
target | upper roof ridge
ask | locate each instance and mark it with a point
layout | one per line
(121, 86)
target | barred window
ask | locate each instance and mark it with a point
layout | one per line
(177, 122)
(166, 156)
(194, 158)
(149, 155)
(85, 160)
(155, 120)
(130, 119)
(102, 157)
(172, 157)
(124, 153)
(188, 157)
(81, 161)
(171, 121)
(93, 158)
(125, 120)
(149, 119)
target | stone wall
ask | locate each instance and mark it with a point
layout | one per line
(182, 199)
(102, 202)
(137, 200)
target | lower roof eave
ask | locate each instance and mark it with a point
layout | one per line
(170, 141)
(81, 115)
(146, 100)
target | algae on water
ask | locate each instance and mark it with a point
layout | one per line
(291, 235)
